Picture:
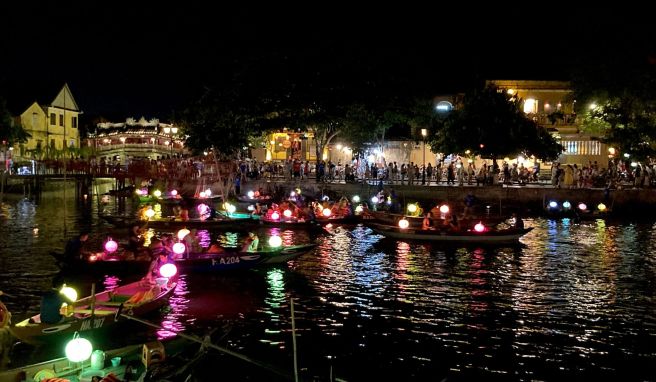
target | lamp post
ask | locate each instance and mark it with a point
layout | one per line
(170, 131)
(167, 131)
(174, 131)
(424, 132)
(125, 155)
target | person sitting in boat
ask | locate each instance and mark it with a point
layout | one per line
(452, 224)
(518, 223)
(435, 211)
(427, 223)
(53, 309)
(160, 259)
(74, 247)
(342, 208)
(177, 210)
(285, 205)
(257, 210)
(251, 243)
(192, 243)
(167, 243)
(470, 201)
(215, 248)
(135, 240)
(184, 214)
(308, 213)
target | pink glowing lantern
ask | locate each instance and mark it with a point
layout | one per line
(275, 215)
(583, 206)
(178, 249)
(203, 209)
(174, 192)
(444, 209)
(168, 270)
(287, 213)
(403, 223)
(479, 227)
(111, 246)
(326, 212)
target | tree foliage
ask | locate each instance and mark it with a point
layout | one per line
(491, 124)
(616, 99)
(217, 121)
(10, 133)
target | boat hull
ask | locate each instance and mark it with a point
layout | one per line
(286, 254)
(236, 222)
(114, 266)
(236, 260)
(496, 237)
(105, 314)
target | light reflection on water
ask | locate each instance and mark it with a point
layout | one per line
(176, 318)
(576, 300)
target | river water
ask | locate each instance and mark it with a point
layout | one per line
(576, 300)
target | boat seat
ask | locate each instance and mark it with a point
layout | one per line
(95, 312)
(120, 297)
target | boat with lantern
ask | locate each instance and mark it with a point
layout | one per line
(126, 363)
(415, 222)
(98, 311)
(231, 221)
(102, 263)
(223, 220)
(479, 235)
(234, 259)
(255, 197)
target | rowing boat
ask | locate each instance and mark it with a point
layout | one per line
(96, 311)
(502, 236)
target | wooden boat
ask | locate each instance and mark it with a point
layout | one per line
(101, 263)
(128, 358)
(231, 260)
(416, 222)
(285, 222)
(281, 256)
(233, 221)
(125, 191)
(260, 199)
(334, 220)
(96, 312)
(504, 236)
(121, 221)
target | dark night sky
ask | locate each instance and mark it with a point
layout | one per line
(149, 59)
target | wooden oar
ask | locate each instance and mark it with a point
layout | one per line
(211, 345)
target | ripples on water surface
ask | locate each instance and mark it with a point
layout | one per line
(576, 300)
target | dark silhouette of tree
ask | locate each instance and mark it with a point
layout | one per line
(491, 124)
(616, 99)
(11, 130)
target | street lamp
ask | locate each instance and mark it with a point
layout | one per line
(424, 132)
(170, 131)
(124, 153)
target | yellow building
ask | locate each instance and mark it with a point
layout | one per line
(551, 105)
(52, 126)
